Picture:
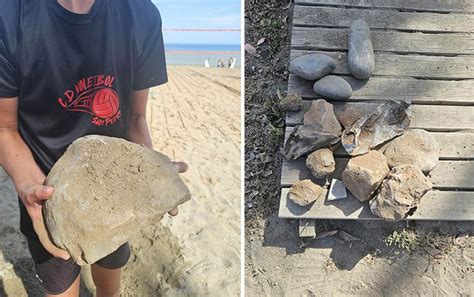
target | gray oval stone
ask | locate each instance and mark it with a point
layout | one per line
(333, 87)
(361, 53)
(312, 66)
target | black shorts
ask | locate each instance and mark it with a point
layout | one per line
(57, 275)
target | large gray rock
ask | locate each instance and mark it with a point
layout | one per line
(322, 112)
(305, 139)
(364, 174)
(400, 192)
(333, 87)
(312, 66)
(106, 190)
(321, 163)
(417, 147)
(304, 192)
(361, 53)
(385, 122)
(292, 102)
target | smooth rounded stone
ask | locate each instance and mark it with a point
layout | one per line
(106, 190)
(304, 192)
(312, 66)
(322, 112)
(292, 102)
(361, 53)
(364, 174)
(417, 147)
(321, 163)
(400, 192)
(333, 87)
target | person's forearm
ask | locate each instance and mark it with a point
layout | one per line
(17, 160)
(138, 131)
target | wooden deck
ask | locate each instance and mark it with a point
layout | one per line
(424, 52)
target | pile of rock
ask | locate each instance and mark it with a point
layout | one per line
(391, 178)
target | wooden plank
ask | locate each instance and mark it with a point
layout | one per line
(429, 117)
(396, 42)
(379, 88)
(446, 175)
(418, 5)
(435, 205)
(383, 19)
(453, 145)
(387, 64)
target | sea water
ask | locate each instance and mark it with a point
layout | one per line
(196, 54)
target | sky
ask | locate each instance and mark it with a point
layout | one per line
(200, 14)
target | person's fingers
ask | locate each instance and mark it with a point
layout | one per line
(43, 192)
(40, 229)
(182, 167)
(174, 212)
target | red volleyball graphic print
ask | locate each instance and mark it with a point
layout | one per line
(105, 103)
(94, 95)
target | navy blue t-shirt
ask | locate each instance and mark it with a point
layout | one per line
(74, 73)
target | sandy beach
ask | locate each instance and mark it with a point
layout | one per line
(194, 118)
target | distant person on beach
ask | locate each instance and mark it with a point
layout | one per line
(232, 62)
(206, 63)
(70, 68)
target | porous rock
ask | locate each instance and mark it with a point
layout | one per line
(305, 139)
(322, 112)
(364, 174)
(400, 192)
(417, 147)
(321, 163)
(106, 190)
(292, 102)
(312, 66)
(304, 192)
(385, 122)
(361, 53)
(333, 87)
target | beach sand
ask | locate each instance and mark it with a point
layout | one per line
(194, 118)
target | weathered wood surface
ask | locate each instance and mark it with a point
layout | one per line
(379, 88)
(446, 175)
(435, 205)
(440, 118)
(316, 38)
(386, 64)
(453, 145)
(460, 6)
(383, 19)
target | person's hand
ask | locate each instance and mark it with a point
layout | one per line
(33, 197)
(182, 167)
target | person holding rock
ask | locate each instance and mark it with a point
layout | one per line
(70, 68)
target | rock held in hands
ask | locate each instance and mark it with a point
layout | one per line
(333, 87)
(361, 53)
(312, 66)
(106, 190)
